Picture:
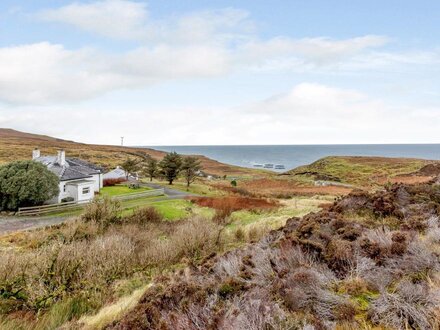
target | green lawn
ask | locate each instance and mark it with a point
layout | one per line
(178, 209)
(120, 190)
(130, 205)
(199, 187)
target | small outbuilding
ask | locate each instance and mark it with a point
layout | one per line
(117, 173)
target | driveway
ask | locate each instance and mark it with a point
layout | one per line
(170, 192)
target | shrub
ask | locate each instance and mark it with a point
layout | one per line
(256, 231)
(398, 248)
(221, 215)
(26, 183)
(239, 234)
(67, 199)
(354, 286)
(410, 306)
(416, 222)
(345, 311)
(339, 253)
(104, 211)
(195, 237)
(145, 215)
(112, 182)
(230, 287)
(253, 234)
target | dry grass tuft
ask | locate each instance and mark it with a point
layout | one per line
(113, 312)
(235, 203)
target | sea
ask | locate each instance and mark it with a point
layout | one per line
(292, 156)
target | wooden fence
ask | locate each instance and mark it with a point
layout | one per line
(135, 195)
(45, 209)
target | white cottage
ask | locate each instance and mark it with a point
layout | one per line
(117, 173)
(79, 180)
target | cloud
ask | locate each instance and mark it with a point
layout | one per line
(123, 19)
(319, 50)
(309, 113)
(44, 73)
(202, 44)
(109, 18)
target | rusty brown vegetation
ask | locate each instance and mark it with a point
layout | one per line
(282, 188)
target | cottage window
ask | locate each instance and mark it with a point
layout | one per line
(86, 190)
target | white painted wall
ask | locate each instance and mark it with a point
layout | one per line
(97, 178)
(85, 196)
(72, 191)
(76, 194)
(62, 194)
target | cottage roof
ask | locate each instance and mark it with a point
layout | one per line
(73, 168)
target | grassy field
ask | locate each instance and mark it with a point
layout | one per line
(170, 209)
(178, 209)
(119, 190)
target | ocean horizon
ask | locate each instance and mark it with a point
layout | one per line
(292, 156)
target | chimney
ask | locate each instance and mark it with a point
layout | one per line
(35, 153)
(61, 157)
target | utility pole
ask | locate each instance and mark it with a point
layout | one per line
(122, 141)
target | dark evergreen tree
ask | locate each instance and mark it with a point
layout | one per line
(170, 166)
(26, 183)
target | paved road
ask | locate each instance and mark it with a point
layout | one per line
(11, 224)
(170, 192)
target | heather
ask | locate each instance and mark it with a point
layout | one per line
(370, 260)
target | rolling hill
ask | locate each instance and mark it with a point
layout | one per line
(16, 145)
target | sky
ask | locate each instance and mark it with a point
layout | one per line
(216, 72)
